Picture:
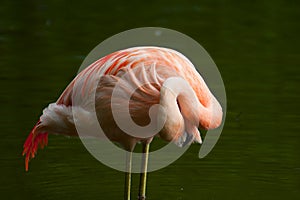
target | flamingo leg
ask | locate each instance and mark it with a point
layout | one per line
(128, 175)
(143, 176)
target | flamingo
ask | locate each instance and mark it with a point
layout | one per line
(188, 104)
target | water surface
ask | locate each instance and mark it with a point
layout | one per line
(254, 44)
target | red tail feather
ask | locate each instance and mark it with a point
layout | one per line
(33, 141)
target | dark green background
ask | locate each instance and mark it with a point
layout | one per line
(256, 47)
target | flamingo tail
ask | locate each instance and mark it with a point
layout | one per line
(32, 143)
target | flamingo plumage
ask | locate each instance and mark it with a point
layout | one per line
(188, 106)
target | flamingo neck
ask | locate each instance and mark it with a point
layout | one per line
(174, 124)
(179, 98)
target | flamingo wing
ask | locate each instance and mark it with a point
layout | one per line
(57, 117)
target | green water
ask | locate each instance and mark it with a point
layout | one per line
(256, 47)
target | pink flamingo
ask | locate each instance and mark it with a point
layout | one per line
(187, 106)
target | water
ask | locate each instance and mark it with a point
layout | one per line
(255, 46)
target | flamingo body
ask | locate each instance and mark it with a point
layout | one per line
(187, 108)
